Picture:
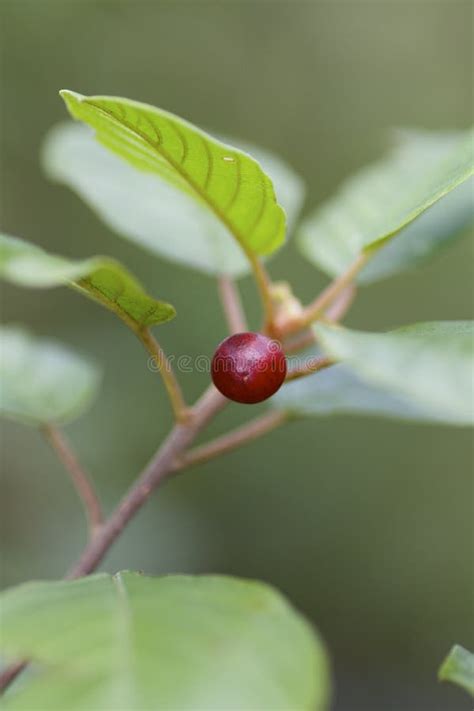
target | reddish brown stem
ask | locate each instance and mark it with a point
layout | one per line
(325, 299)
(167, 461)
(341, 305)
(232, 305)
(78, 475)
(179, 439)
(335, 313)
(335, 288)
(248, 432)
(10, 673)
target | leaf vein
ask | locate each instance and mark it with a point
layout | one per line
(182, 138)
(200, 191)
(238, 183)
(209, 163)
(260, 213)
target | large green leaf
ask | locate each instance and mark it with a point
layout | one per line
(176, 642)
(227, 181)
(429, 365)
(431, 233)
(101, 278)
(42, 381)
(390, 196)
(458, 667)
(145, 209)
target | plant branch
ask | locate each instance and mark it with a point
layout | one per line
(79, 477)
(334, 314)
(232, 304)
(162, 464)
(180, 437)
(311, 365)
(178, 404)
(226, 443)
(341, 304)
(326, 298)
(168, 460)
(314, 310)
(10, 673)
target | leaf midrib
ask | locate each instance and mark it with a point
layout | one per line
(181, 171)
(417, 212)
(84, 285)
(125, 640)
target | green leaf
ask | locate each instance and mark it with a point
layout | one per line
(430, 365)
(145, 209)
(42, 381)
(100, 278)
(431, 233)
(223, 179)
(458, 667)
(175, 642)
(391, 197)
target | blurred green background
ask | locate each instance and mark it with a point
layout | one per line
(365, 524)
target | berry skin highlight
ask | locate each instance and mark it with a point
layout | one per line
(248, 367)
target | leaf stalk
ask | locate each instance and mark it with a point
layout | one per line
(180, 409)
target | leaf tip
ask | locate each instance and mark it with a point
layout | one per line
(458, 668)
(70, 98)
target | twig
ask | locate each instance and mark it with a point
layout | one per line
(10, 673)
(178, 404)
(168, 460)
(163, 463)
(334, 314)
(311, 365)
(328, 296)
(179, 439)
(79, 477)
(232, 305)
(248, 432)
(341, 304)
(325, 299)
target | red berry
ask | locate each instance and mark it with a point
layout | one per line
(248, 367)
